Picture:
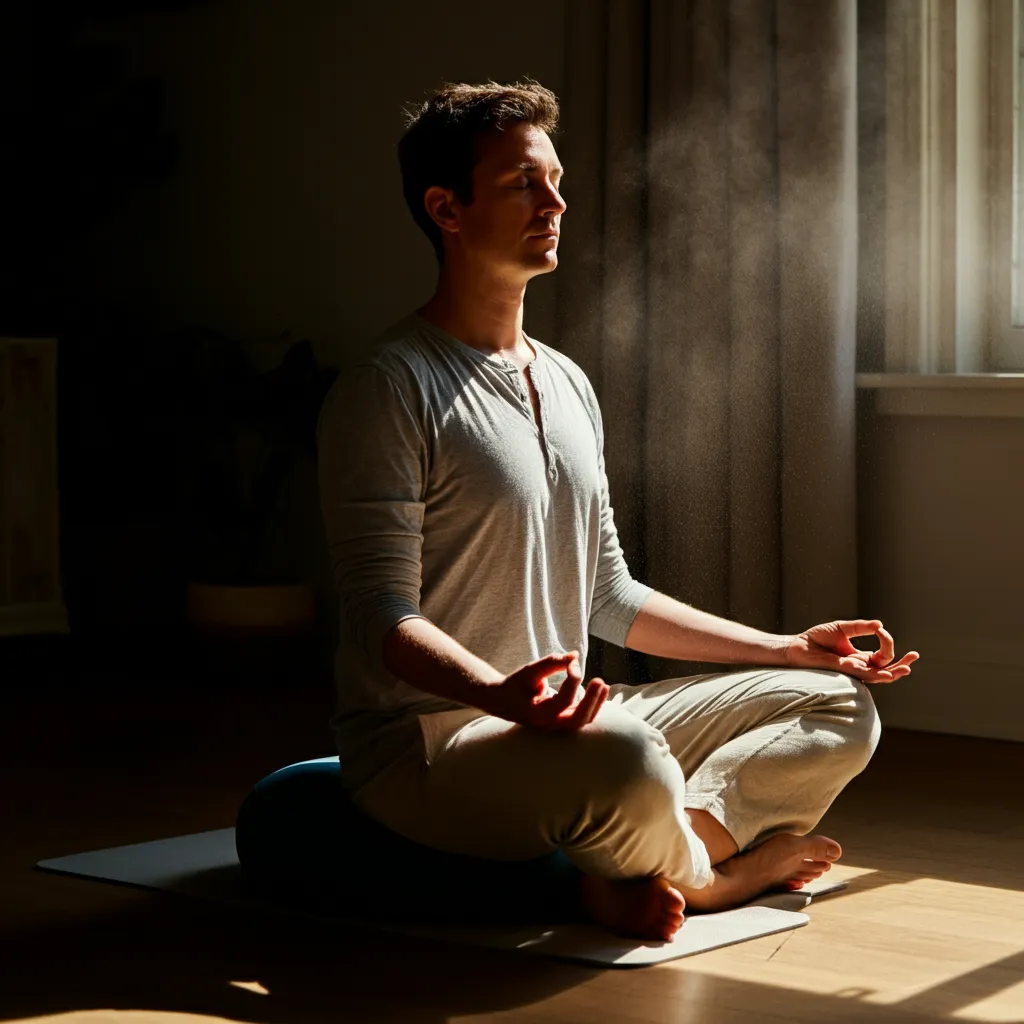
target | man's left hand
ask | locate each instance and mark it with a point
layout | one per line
(828, 647)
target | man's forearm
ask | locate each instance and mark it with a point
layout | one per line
(670, 629)
(424, 656)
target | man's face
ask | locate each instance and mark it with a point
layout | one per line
(514, 219)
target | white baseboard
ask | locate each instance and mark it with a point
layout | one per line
(965, 698)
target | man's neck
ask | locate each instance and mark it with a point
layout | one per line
(485, 314)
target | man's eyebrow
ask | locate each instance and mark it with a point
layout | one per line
(536, 167)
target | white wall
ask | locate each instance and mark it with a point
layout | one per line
(942, 563)
(286, 210)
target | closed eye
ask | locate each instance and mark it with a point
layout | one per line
(529, 184)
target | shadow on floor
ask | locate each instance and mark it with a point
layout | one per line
(170, 957)
(89, 769)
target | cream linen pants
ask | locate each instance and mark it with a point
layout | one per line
(763, 751)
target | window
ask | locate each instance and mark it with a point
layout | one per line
(1007, 179)
(954, 184)
(1017, 240)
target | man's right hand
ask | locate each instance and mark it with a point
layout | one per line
(520, 697)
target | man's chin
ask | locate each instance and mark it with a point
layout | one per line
(544, 263)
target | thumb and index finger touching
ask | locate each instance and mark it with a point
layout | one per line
(872, 627)
(551, 663)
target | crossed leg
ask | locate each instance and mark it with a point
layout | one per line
(676, 784)
(764, 753)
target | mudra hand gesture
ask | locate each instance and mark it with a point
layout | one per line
(828, 647)
(526, 698)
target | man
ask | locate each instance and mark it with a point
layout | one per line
(474, 549)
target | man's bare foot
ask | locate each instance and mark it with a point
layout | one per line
(643, 908)
(784, 861)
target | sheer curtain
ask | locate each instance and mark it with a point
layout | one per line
(707, 285)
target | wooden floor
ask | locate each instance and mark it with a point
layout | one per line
(931, 927)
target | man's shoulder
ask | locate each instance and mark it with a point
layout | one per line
(571, 369)
(399, 343)
(386, 369)
(402, 352)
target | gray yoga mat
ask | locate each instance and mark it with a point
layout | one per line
(205, 865)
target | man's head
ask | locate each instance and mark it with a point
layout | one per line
(481, 176)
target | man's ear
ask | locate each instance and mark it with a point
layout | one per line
(439, 204)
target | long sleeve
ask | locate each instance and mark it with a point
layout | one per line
(373, 463)
(617, 596)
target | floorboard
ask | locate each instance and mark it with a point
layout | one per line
(931, 926)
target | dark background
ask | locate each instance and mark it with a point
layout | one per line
(192, 189)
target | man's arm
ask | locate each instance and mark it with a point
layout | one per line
(428, 658)
(670, 629)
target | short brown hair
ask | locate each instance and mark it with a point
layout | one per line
(439, 146)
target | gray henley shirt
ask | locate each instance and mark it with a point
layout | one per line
(444, 499)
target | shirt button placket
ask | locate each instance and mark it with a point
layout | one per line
(548, 453)
(511, 370)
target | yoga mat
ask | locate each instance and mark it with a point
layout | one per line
(205, 865)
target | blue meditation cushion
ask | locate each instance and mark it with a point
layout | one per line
(302, 842)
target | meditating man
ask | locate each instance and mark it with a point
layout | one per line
(474, 549)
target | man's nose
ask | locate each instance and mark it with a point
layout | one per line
(553, 200)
